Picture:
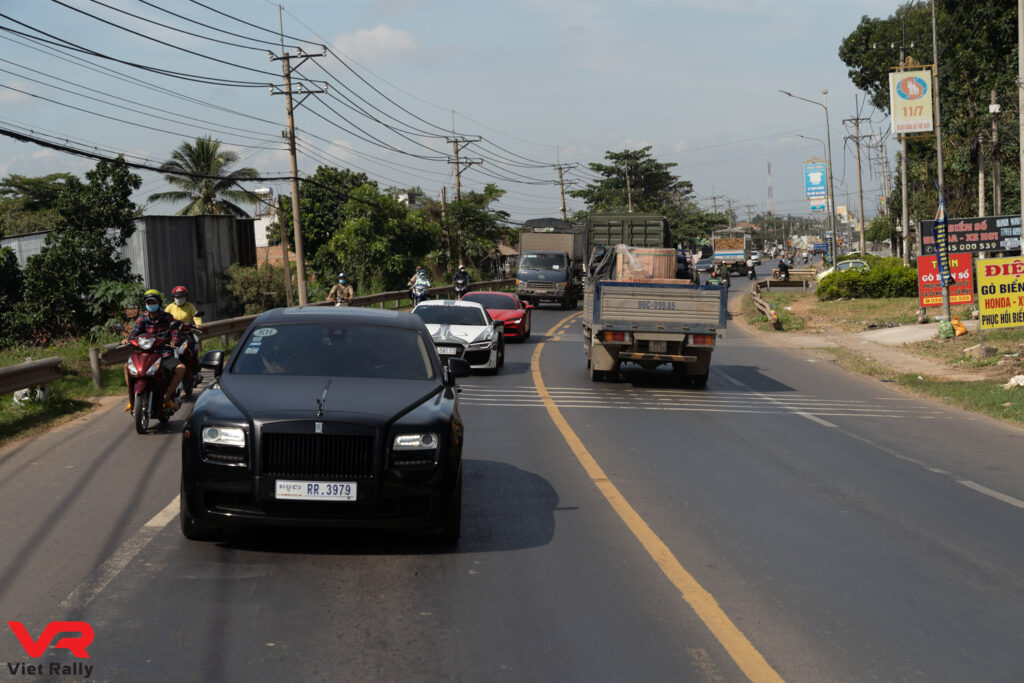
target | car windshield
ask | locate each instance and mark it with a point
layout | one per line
(334, 350)
(492, 301)
(451, 315)
(543, 261)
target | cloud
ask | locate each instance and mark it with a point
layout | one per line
(378, 45)
(12, 97)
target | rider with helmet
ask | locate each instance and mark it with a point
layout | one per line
(460, 281)
(185, 311)
(342, 292)
(419, 278)
(157, 322)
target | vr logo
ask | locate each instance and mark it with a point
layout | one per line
(76, 644)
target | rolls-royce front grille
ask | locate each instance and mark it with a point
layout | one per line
(317, 456)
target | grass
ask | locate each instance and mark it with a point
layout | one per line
(950, 351)
(73, 393)
(780, 301)
(986, 397)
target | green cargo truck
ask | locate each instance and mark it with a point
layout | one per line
(646, 323)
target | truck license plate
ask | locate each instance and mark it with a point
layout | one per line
(657, 346)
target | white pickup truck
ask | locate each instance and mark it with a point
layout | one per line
(651, 324)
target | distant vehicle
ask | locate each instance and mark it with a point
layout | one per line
(326, 417)
(508, 308)
(852, 264)
(551, 265)
(462, 329)
(756, 255)
(705, 265)
(683, 268)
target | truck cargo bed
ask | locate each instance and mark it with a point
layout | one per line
(654, 307)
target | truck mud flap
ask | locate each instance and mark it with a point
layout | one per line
(658, 357)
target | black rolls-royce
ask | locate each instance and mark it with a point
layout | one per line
(326, 416)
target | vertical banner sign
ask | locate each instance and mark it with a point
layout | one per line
(814, 180)
(941, 237)
(929, 287)
(910, 101)
(828, 254)
(1001, 292)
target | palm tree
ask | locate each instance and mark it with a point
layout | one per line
(200, 172)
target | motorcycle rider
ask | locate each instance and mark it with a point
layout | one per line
(419, 278)
(750, 268)
(460, 281)
(157, 322)
(342, 292)
(185, 311)
(783, 270)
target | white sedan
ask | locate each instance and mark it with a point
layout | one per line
(462, 329)
(850, 264)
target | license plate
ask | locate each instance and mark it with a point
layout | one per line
(657, 346)
(315, 490)
(447, 350)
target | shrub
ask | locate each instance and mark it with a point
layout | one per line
(887, 278)
(258, 289)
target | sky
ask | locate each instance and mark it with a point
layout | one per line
(540, 82)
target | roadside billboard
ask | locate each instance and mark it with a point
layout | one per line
(929, 286)
(814, 179)
(1001, 292)
(910, 101)
(975, 235)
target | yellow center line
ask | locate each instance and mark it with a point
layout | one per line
(702, 602)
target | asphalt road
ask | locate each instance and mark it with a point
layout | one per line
(788, 520)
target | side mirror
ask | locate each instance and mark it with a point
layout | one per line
(213, 360)
(117, 327)
(528, 307)
(175, 325)
(458, 367)
(200, 314)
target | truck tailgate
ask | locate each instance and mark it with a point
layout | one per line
(646, 306)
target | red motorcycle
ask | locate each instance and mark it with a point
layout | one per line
(148, 380)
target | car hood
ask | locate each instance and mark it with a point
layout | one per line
(361, 399)
(529, 274)
(506, 314)
(463, 334)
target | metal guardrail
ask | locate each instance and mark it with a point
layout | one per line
(763, 306)
(44, 371)
(29, 374)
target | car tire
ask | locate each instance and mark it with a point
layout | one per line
(698, 381)
(596, 375)
(501, 353)
(192, 528)
(526, 332)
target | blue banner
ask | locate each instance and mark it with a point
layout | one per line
(814, 180)
(940, 232)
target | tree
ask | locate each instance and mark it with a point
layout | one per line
(969, 69)
(382, 241)
(476, 228)
(95, 221)
(883, 229)
(27, 204)
(651, 185)
(201, 174)
(322, 201)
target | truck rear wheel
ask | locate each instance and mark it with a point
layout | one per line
(596, 375)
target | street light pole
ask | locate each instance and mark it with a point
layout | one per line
(828, 167)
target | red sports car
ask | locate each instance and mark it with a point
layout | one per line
(507, 308)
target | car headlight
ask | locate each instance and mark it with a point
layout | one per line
(224, 436)
(480, 345)
(516, 321)
(559, 285)
(415, 442)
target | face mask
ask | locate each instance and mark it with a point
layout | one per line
(179, 300)
(152, 308)
(341, 282)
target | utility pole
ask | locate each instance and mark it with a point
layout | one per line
(461, 164)
(997, 187)
(287, 67)
(279, 210)
(860, 187)
(447, 227)
(730, 211)
(1020, 91)
(561, 186)
(629, 193)
(938, 144)
(981, 175)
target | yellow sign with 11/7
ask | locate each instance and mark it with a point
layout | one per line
(1001, 292)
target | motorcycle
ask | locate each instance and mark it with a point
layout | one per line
(188, 353)
(147, 382)
(420, 292)
(751, 274)
(460, 288)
